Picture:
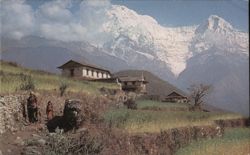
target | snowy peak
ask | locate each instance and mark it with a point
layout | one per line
(215, 31)
(124, 14)
(121, 20)
(215, 24)
(133, 33)
(133, 36)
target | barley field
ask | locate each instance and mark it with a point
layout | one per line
(234, 142)
(154, 121)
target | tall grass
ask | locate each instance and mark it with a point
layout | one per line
(234, 142)
(11, 79)
(63, 86)
(150, 104)
(27, 82)
(139, 121)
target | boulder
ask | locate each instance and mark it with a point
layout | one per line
(41, 142)
(19, 141)
(73, 114)
(31, 150)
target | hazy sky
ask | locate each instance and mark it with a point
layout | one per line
(76, 20)
(190, 12)
(182, 12)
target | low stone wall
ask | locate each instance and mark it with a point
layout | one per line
(165, 109)
(241, 122)
(167, 142)
(11, 107)
(11, 112)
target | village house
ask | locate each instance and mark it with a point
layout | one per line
(84, 70)
(176, 96)
(133, 84)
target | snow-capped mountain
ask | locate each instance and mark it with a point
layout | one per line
(213, 52)
(215, 31)
(144, 36)
(134, 34)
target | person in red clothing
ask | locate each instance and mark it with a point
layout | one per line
(49, 111)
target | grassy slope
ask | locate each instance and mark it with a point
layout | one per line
(149, 104)
(234, 142)
(140, 120)
(10, 80)
(170, 115)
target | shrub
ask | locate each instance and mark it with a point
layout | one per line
(27, 83)
(63, 86)
(116, 117)
(14, 64)
(64, 144)
(2, 73)
(131, 104)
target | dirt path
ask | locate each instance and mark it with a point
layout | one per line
(12, 143)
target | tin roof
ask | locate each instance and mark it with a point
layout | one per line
(132, 79)
(73, 63)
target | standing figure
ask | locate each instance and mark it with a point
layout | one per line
(32, 108)
(49, 111)
(24, 110)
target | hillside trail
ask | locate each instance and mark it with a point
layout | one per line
(13, 143)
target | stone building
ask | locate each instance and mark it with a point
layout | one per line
(83, 70)
(176, 96)
(133, 84)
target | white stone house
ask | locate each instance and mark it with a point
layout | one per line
(83, 70)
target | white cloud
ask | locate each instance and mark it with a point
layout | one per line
(57, 31)
(55, 20)
(17, 19)
(55, 11)
(92, 15)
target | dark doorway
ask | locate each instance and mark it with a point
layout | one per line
(71, 72)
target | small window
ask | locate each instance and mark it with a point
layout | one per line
(92, 73)
(87, 72)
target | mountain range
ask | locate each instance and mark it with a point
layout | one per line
(213, 52)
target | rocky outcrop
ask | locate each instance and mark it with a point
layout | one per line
(73, 114)
(11, 112)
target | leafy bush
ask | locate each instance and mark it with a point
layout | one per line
(14, 64)
(131, 104)
(63, 86)
(27, 83)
